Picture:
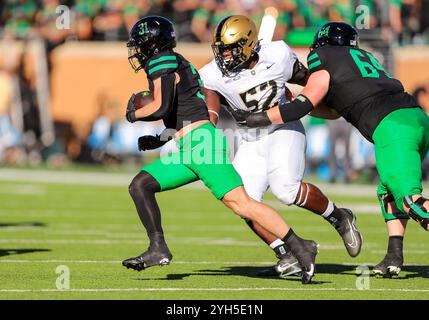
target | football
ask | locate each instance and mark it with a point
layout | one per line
(142, 99)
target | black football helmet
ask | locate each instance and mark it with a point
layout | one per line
(336, 34)
(149, 36)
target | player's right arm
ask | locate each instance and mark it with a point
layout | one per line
(163, 92)
(213, 104)
(313, 93)
(294, 71)
(310, 97)
(164, 78)
(324, 112)
(210, 76)
(300, 74)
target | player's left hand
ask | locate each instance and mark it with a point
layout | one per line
(130, 114)
(257, 120)
(150, 142)
(239, 115)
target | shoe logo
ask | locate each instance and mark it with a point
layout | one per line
(288, 269)
(311, 272)
(287, 265)
(354, 242)
(164, 261)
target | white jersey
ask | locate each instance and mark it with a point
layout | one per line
(256, 89)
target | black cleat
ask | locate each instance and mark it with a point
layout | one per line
(306, 256)
(150, 258)
(288, 265)
(389, 267)
(348, 230)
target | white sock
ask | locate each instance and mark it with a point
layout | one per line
(276, 243)
(328, 210)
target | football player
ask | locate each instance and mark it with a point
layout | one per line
(202, 155)
(355, 86)
(252, 77)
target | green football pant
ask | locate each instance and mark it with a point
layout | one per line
(401, 142)
(203, 155)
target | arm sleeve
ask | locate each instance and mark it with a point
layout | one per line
(295, 109)
(168, 90)
(300, 74)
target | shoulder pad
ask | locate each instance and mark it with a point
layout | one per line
(161, 65)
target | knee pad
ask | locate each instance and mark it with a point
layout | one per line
(384, 200)
(417, 211)
(286, 193)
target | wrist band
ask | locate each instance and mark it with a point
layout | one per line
(212, 111)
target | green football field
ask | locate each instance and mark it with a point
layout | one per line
(85, 227)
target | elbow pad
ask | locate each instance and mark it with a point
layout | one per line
(296, 109)
(168, 90)
(300, 74)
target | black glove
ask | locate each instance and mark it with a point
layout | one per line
(240, 115)
(150, 142)
(153, 142)
(130, 114)
(260, 119)
(249, 119)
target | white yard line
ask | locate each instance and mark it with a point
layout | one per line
(205, 289)
(23, 190)
(66, 177)
(250, 263)
(193, 241)
(115, 262)
(122, 179)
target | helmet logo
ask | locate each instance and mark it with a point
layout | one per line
(323, 32)
(143, 29)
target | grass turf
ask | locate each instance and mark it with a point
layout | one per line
(91, 229)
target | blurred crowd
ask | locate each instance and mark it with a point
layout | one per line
(195, 19)
(335, 150)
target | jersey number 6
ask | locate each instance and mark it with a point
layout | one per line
(368, 69)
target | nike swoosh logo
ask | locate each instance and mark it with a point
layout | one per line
(270, 66)
(354, 242)
(311, 272)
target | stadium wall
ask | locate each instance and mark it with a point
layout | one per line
(84, 73)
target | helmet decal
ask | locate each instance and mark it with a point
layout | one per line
(335, 34)
(324, 31)
(149, 36)
(143, 29)
(235, 42)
